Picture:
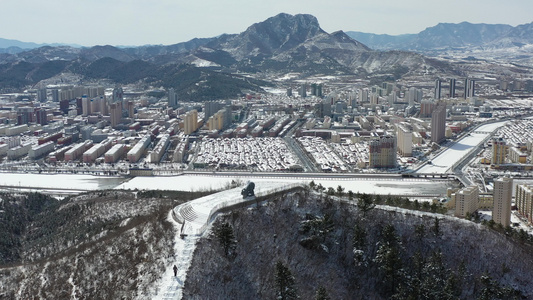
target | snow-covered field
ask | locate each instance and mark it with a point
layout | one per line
(444, 161)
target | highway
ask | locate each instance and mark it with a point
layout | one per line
(296, 148)
(296, 176)
(461, 150)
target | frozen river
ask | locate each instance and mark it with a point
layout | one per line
(59, 181)
(446, 159)
(395, 186)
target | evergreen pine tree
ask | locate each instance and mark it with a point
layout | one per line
(365, 203)
(224, 233)
(436, 227)
(312, 184)
(388, 259)
(285, 283)
(359, 243)
(340, 191)
(321, 294)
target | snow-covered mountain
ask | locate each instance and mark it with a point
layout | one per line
(445, 36)
(270, 37)
(281, 43)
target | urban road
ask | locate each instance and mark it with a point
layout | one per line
(335, 176)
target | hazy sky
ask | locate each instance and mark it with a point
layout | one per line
(140, 22)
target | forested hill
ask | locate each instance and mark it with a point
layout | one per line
(100, 245)
(117, 244)
(307, 245)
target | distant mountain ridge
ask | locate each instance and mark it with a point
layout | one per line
(271, 34)
(14, 46)
(450, 35)
(7, 43)
(283, 43)
(278, 39)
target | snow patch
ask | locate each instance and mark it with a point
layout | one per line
(288, 76)
(124, 222)
(204, 63)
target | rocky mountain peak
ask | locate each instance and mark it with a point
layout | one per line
(276, 34)
(296, 24)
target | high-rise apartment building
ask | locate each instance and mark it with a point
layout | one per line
(190, 122)
(503, 192)
(228, 116)
(438, 86)
(382, 152)
(499, 150)
(85, 106)
(130, 107)
(55, 95)
(387, 88)
(313, 89)
(216, 121)
(466, 201)
(41, 117)
(118, 95)
(319, 89)
(104, 108)
(452, 88)
(414, 95)
(64, 105)
(41, 95)
(405, 140)
(303, 90)
(220, 120)
(95, 105)
(392, 98)
(115, 113)
(438, 122)
(426, 108)
(172, 98)
(524, 200)
(25, 115)
(363, 95)
(470, 88)
(374, 99)
(211, 108)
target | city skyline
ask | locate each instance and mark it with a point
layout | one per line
(168, 22)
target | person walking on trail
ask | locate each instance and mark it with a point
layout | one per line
(175, 270)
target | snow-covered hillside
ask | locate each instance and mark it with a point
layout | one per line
(101, 245)
(331, 244)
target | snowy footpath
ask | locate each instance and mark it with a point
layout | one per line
(193, 219)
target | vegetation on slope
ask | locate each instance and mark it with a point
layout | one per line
(190, 82)
(101, 245)
(201, 84)
(389, 253)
